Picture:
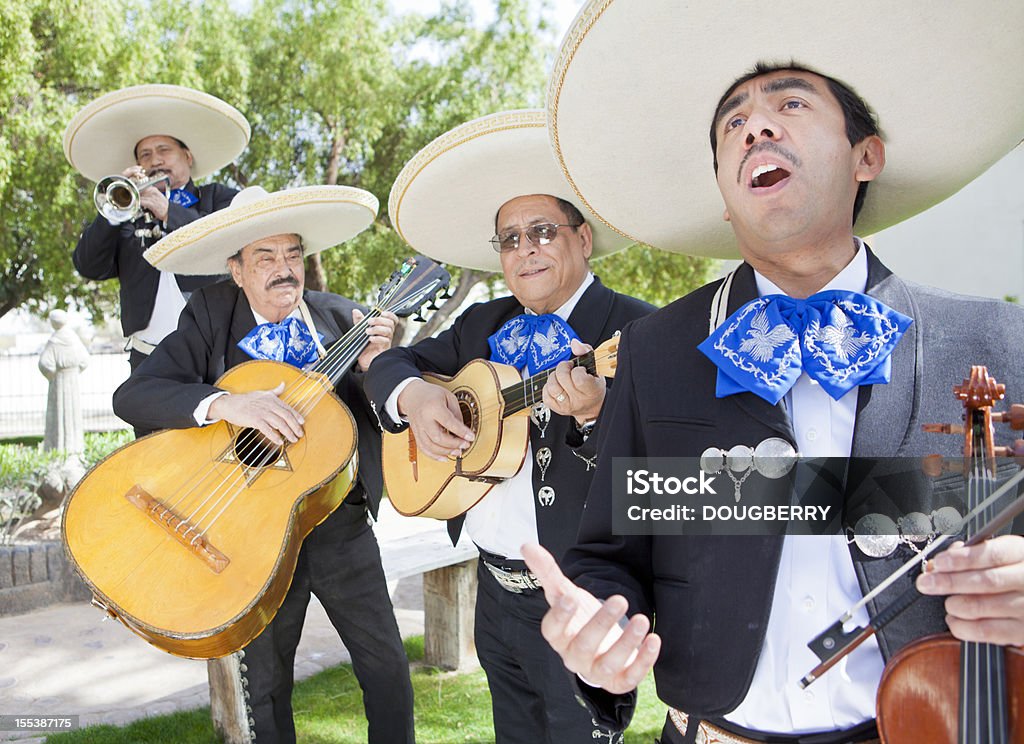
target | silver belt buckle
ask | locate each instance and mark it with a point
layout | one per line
(513, 581)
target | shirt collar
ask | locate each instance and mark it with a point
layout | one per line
(566, 310)
(853, 277)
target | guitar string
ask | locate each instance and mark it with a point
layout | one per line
(310, 390)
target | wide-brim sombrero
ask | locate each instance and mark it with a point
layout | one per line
(445, 200)
(635, 85)
(100, 140)
(324, 216)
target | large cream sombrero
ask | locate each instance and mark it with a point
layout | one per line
(101, 138)
(324, 216)
(444, 201)
(636, 82)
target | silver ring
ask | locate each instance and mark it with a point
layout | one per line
(560, 398)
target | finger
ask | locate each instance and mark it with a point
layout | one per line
(593, 637)
(547, 571)
(453, 420)
(623, 649)
(985, 606)
(999, 551)
(995, 580)
(357, 315)
(1004, 632)
(631, 677)
(579, 348)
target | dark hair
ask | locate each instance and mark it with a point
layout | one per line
(860, 120)
(135, 150)
(573, 216)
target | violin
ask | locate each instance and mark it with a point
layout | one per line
(939, 689)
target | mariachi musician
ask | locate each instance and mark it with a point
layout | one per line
(264, 312)
(801, 165)
(496, 176)
(166, 131)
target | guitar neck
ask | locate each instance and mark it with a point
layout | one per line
(346, 350)
(527, 393)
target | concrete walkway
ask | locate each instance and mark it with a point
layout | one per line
(67, 660)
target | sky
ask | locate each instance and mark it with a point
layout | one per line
(561, 11)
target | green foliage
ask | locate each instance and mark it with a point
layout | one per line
(450, 707)
(22, 465)
(652, 275)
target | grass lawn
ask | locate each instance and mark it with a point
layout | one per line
(450, 708)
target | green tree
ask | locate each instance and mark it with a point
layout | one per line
(51, 64)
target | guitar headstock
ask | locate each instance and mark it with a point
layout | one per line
(417, 282)
(606, 357)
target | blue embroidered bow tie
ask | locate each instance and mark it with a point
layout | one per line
(841, 339)
(182, 197)
(537, 342)
(288, 341)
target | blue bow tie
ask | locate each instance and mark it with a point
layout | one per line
(537, 342)
(182, 197)
(841, 339)
(288, 341)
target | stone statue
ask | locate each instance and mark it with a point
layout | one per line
(63, 358)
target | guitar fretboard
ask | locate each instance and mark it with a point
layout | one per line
(529, 392)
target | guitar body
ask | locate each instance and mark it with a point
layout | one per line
(194, 550)
(421, 486)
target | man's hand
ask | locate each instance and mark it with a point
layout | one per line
(262, 410)
(587, 633)
(434, 417)
(380, 330)
(155, 201)
(985, 588)
(572, 391)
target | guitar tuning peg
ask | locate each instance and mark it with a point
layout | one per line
(418, 317)
(431, 305)
(447, 294)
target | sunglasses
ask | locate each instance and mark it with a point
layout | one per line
(541, 234)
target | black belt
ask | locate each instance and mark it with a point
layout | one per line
(512, 575)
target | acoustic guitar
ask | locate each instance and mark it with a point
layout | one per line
(190, 536)
(495, 402)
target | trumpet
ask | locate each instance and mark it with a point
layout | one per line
(117, 198)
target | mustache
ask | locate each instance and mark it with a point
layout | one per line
(766, 146)
(284, 281)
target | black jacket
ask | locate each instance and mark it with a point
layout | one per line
(599, 313)
(108, 251)
(710, 596)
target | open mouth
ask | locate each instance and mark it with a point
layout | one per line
(767, 175)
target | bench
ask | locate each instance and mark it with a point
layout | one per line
(449, 599)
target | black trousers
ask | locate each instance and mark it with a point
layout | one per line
(532, 697)
(340, 564)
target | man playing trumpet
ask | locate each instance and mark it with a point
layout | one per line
(156, 122)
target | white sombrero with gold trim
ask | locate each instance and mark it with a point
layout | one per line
(636, 82)
(101, 138)
(324, 216)
(444, 201)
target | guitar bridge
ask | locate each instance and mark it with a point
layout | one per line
(178, 528)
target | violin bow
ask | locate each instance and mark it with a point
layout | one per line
(835, 642)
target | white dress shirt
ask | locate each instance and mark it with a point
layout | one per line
(506, 517)
(816, 581)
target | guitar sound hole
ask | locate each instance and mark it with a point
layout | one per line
(254, 450)
(470, 410)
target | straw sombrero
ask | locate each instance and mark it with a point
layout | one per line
(324, 216)
(101, 138)
(444, 201)
(635, 85)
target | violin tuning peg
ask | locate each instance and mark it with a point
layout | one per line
(1014, 417)
(935, 465)
(1014, 450)
(943, 428)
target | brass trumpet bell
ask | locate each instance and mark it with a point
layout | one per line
(117, 198)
